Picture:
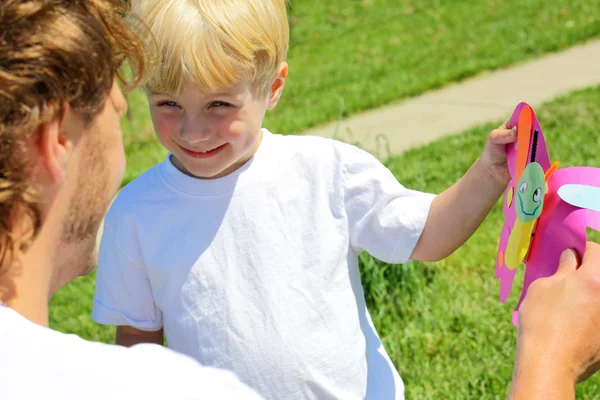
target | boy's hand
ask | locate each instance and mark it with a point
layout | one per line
(494, 152)
(458, 211)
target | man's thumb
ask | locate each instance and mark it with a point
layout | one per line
(568, 262)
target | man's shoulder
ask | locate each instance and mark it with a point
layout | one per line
(69, 366)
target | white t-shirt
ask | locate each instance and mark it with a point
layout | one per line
(39, 363)
(257, 272)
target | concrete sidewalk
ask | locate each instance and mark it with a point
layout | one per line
(485, 98)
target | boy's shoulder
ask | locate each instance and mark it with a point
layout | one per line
(133, 196)
(317, 149)
(309, 141)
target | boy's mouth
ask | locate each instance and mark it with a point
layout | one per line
(202, 154)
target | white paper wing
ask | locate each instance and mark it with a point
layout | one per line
(582, 196)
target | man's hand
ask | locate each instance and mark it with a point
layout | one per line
(559, 330)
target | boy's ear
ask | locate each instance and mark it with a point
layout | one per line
(53, 148)
(277, 86)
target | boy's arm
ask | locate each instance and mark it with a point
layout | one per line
(456, 213)
(124, 294)
(129, 336)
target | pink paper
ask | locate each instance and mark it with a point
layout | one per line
(560, 226)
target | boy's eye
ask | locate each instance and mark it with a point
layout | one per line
(218, 104)
(168, 104)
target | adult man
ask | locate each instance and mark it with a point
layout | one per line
(61, 162)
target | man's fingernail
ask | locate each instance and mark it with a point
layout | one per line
(567, 256)
(513, 131)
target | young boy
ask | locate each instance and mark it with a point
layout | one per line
(243, 245)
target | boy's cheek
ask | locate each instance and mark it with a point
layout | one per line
(163, 128)
(237, 130)
(165, 140)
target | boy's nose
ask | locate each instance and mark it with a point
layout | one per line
(194, 132)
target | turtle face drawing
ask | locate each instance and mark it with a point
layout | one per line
(530, 193)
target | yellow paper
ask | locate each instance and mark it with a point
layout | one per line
(518, 243)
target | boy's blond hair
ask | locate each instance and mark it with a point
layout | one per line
(215, 43)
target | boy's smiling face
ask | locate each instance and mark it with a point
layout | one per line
(212, 135)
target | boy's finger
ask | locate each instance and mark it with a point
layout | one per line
(503, 136)
(506, 125)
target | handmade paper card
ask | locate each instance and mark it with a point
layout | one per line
(547, 209)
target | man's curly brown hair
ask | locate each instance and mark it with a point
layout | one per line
(52, 53)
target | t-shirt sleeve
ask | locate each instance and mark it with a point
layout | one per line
(385, 218)
(123, 290)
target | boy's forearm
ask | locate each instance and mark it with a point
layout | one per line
(128, 336)
(456, 213)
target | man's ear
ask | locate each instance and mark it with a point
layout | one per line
(277, 85)
(53, 147)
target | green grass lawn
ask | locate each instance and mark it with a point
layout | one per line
(352, 55)
(441, 322)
